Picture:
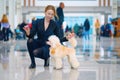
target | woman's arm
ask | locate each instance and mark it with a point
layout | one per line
(31, 32)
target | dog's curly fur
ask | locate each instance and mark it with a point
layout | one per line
(59, 51)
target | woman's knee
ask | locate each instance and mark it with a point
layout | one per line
(35, 52)
(38, 51)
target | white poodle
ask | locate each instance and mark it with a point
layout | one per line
(59, 51)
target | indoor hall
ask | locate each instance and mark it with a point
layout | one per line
(97, 53)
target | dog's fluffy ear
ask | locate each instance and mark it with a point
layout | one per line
(50, 43)
(53, 41)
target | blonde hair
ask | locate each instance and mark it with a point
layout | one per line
(51, 7)
(4, 19)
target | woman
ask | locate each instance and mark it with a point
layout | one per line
(5, 27)
(97, 29)
(43, 28)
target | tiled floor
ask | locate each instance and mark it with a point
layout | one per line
(99, 60)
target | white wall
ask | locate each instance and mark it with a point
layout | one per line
(67, 3)
(2, 8)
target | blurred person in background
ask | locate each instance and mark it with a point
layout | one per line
(5, 27)
(86, 29)
(97, 29)
(60, 15)
(21, 28)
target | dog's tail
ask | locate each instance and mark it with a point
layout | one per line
(73, 42)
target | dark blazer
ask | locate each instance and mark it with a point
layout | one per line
(42, 34)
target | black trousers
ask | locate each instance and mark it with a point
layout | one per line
(37, 49)
(6, 34)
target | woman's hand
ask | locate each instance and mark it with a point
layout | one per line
(27, 30)
(70, 35)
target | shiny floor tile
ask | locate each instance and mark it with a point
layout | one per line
(99, 60)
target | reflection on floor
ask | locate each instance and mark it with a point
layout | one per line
(99, 60)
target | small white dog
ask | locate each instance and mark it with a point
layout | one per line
(59, 51)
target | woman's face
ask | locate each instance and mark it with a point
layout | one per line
(49, 14)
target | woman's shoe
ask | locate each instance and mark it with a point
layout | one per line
(46, 64)
(32, 66)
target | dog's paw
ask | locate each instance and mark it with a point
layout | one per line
(58, 68)
(74, 67)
